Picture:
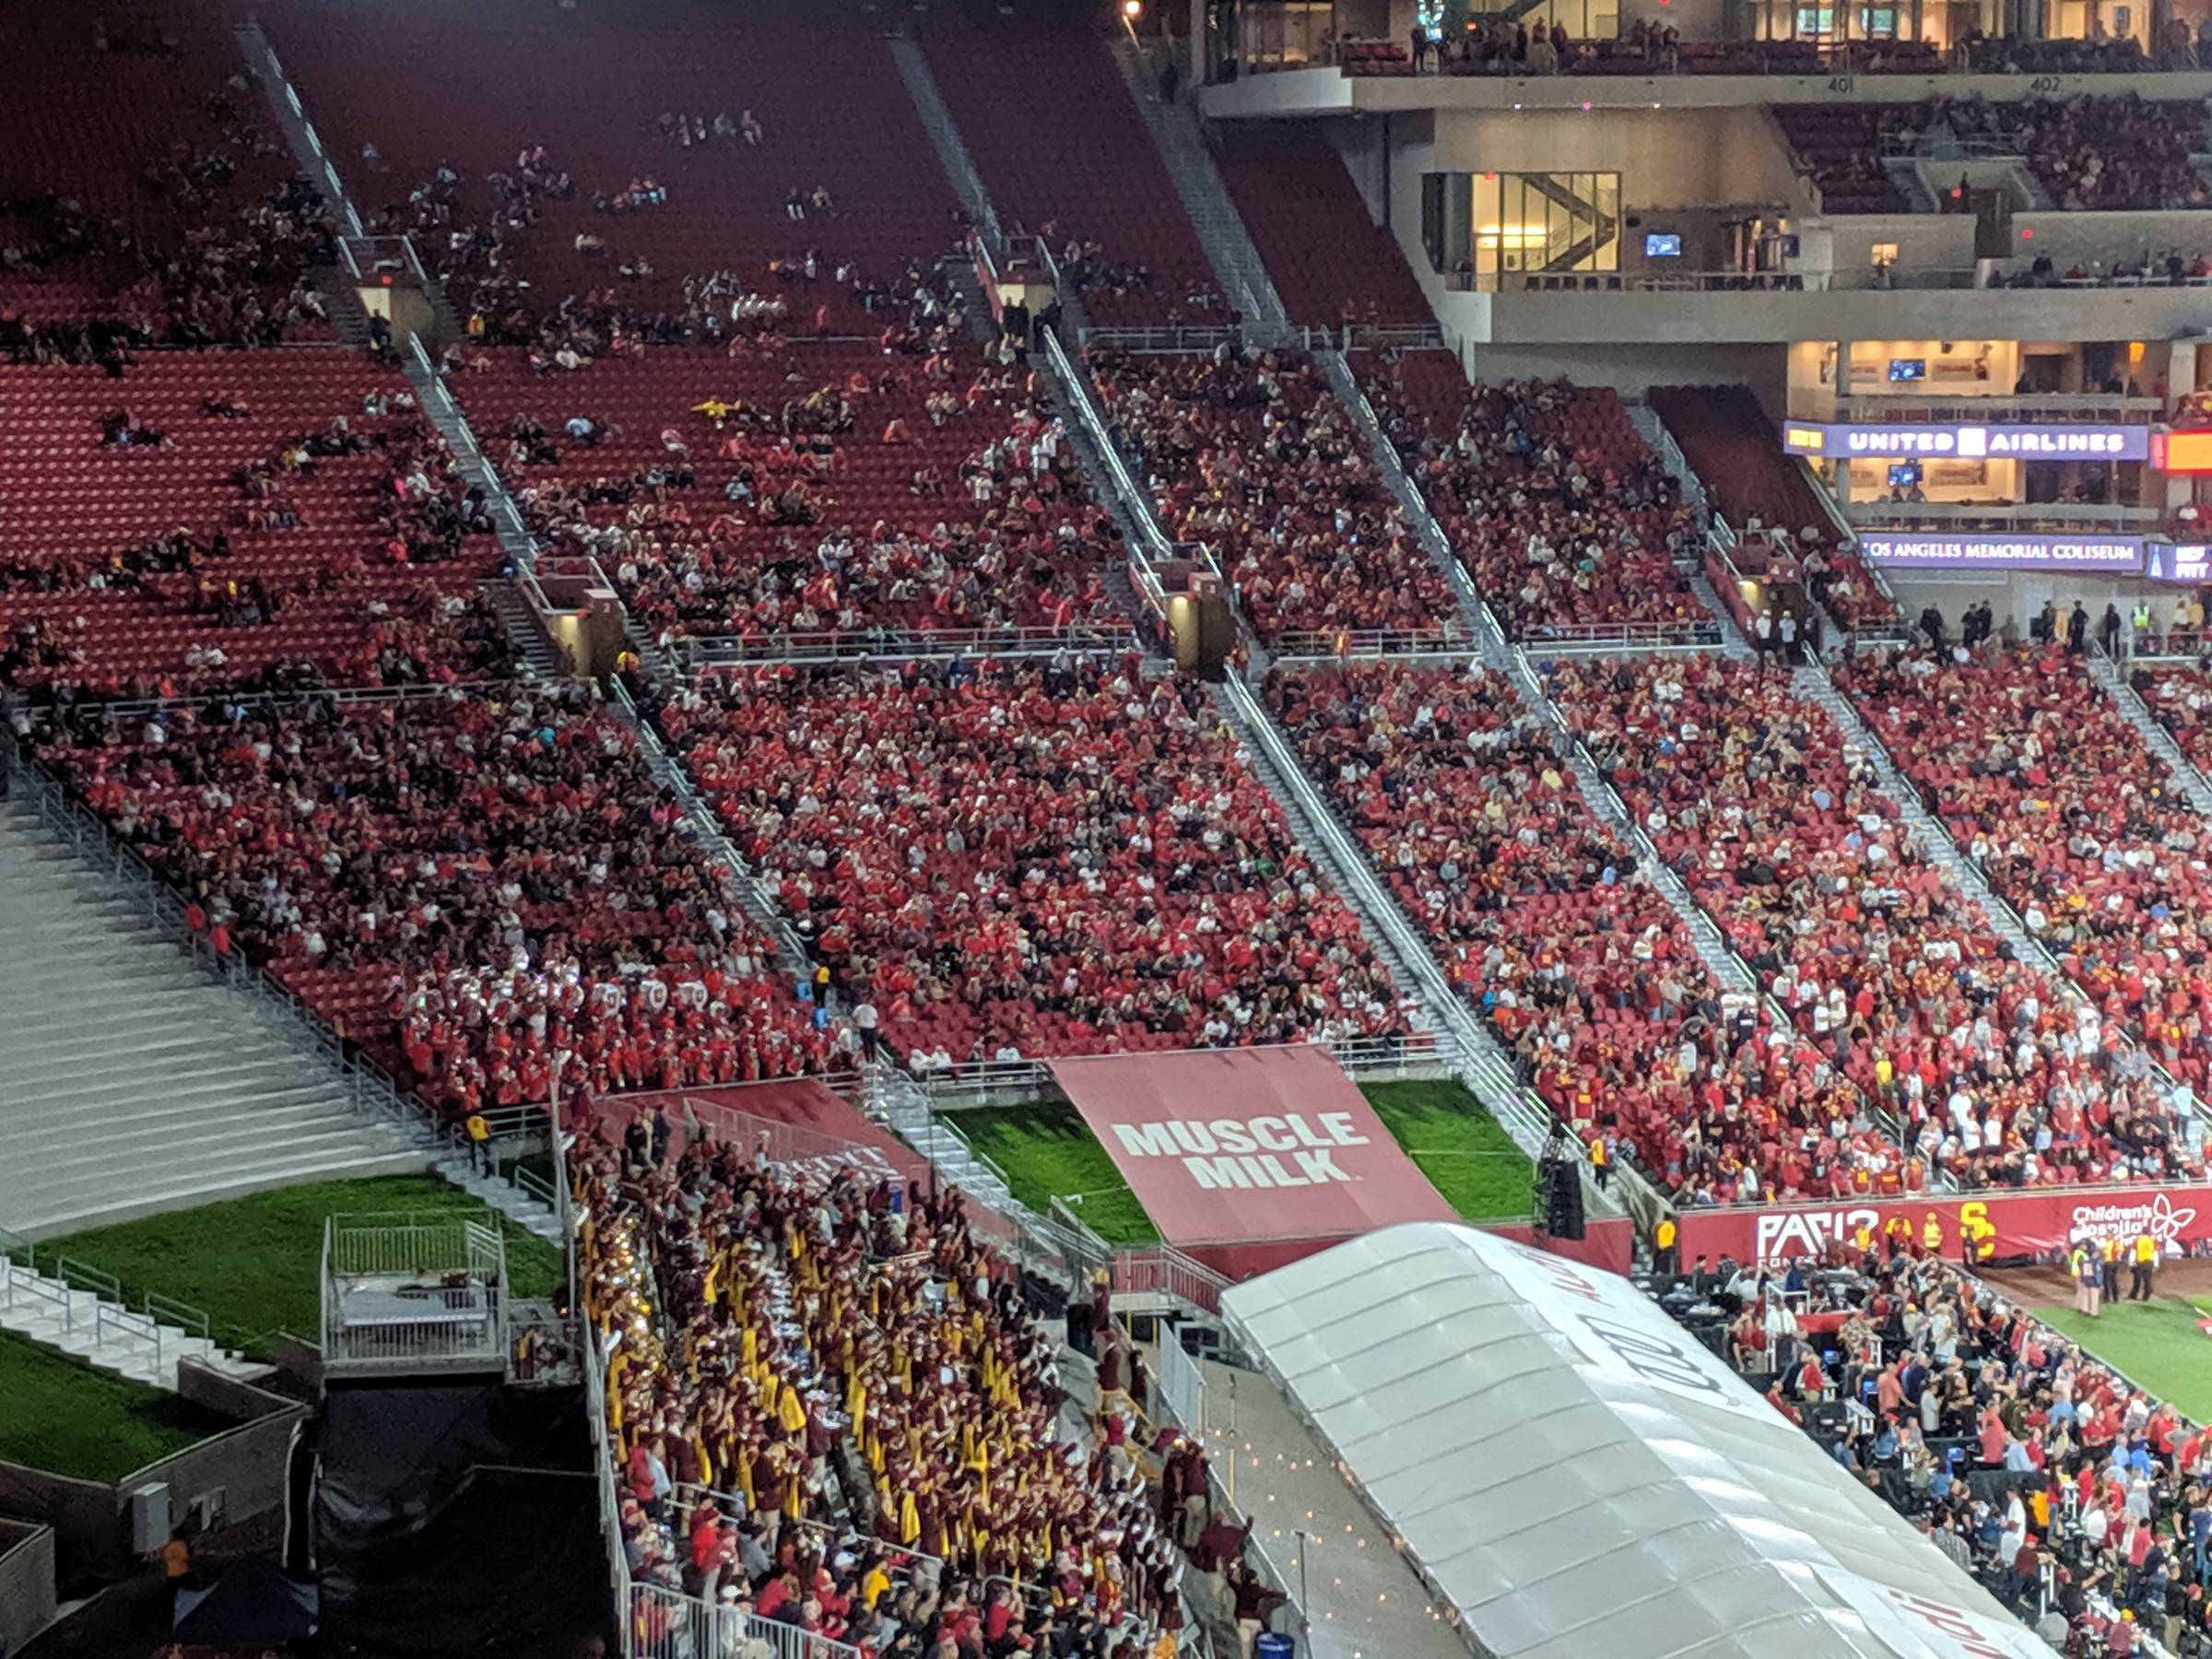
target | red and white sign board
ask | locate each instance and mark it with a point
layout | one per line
(2175, 1215)
(1240, 1145)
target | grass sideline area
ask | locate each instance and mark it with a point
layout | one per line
(1047, 1151)
(64, 1417)
(2156, 1343)
(254, 1264)
(1466, 1154)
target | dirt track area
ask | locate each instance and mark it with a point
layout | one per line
(2050, 1287)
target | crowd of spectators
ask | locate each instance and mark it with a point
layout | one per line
(146, 192)
(345, 551)
(832, 1410)
(846, 492)
(1560, 512)
(1988, 1070)
(2046, 786)
(2076, 1498)
(2096, 154)
(1250, 453)
(476, 885)
(1587, 976)
(1028, 858)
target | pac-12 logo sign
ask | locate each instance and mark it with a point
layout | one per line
(1809, 1232)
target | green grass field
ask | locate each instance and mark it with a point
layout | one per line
(2156, 1343)
(62, 1416)
(1047, 1151)
(1458, 1145)
(254, 1264)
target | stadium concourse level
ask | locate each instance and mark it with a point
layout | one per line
(1886, 968)
(255, 518)
(1498, 45)
(898, 490)
(1555, 505)
(470, 882)
(1544, 920)
(832, 1409)
(1029, 858)
(1737, 453)
(2077, 1499)
(145, 195)
(2048, 788)
(2090, 154)
(1250, 453)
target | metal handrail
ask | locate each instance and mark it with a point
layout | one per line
(707, 651)
(368, 1088)
(1703, 634)
(2042, 959)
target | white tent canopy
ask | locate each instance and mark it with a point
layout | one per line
(1579, 1477)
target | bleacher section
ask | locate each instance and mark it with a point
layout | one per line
(1552, 500)
(259, 520)
(912, 491)
(600, 94)
(1065, 155)
(136, 163)
(1737, 453)
(1330, 262)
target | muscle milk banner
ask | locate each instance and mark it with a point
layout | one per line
(2026, 1222)
(1237, 1146)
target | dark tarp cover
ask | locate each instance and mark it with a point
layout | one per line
(455, 1519)
(251, 1602)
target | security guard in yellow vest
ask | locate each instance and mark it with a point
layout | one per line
(479, 1141)
(1931, 1236)
(2109, 1254)
(1663, 1246)
(2143, 1260)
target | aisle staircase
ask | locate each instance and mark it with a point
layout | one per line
(1180, 142)
(2113, 677)
(131, 1082)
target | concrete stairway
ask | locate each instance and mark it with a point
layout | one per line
(56, 1304)
(2156, 737)
(523, 1207)
(130, 1082)
(1813, 684)
(1206, 199)
(1476, 616)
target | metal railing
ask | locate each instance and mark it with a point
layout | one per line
(406, 1292)
(660, 1623)
(1368, 642)
(65, 1278)
(988, 1081)
(1702, 634)
(701, 652)
(1163, 337)
(2003, 515)
(2025, 409)
(406, 1244)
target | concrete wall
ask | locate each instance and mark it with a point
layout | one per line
(1634, 369)
(91, 1520)
(26, 1591)
(1859, 315)
(1327, 91)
